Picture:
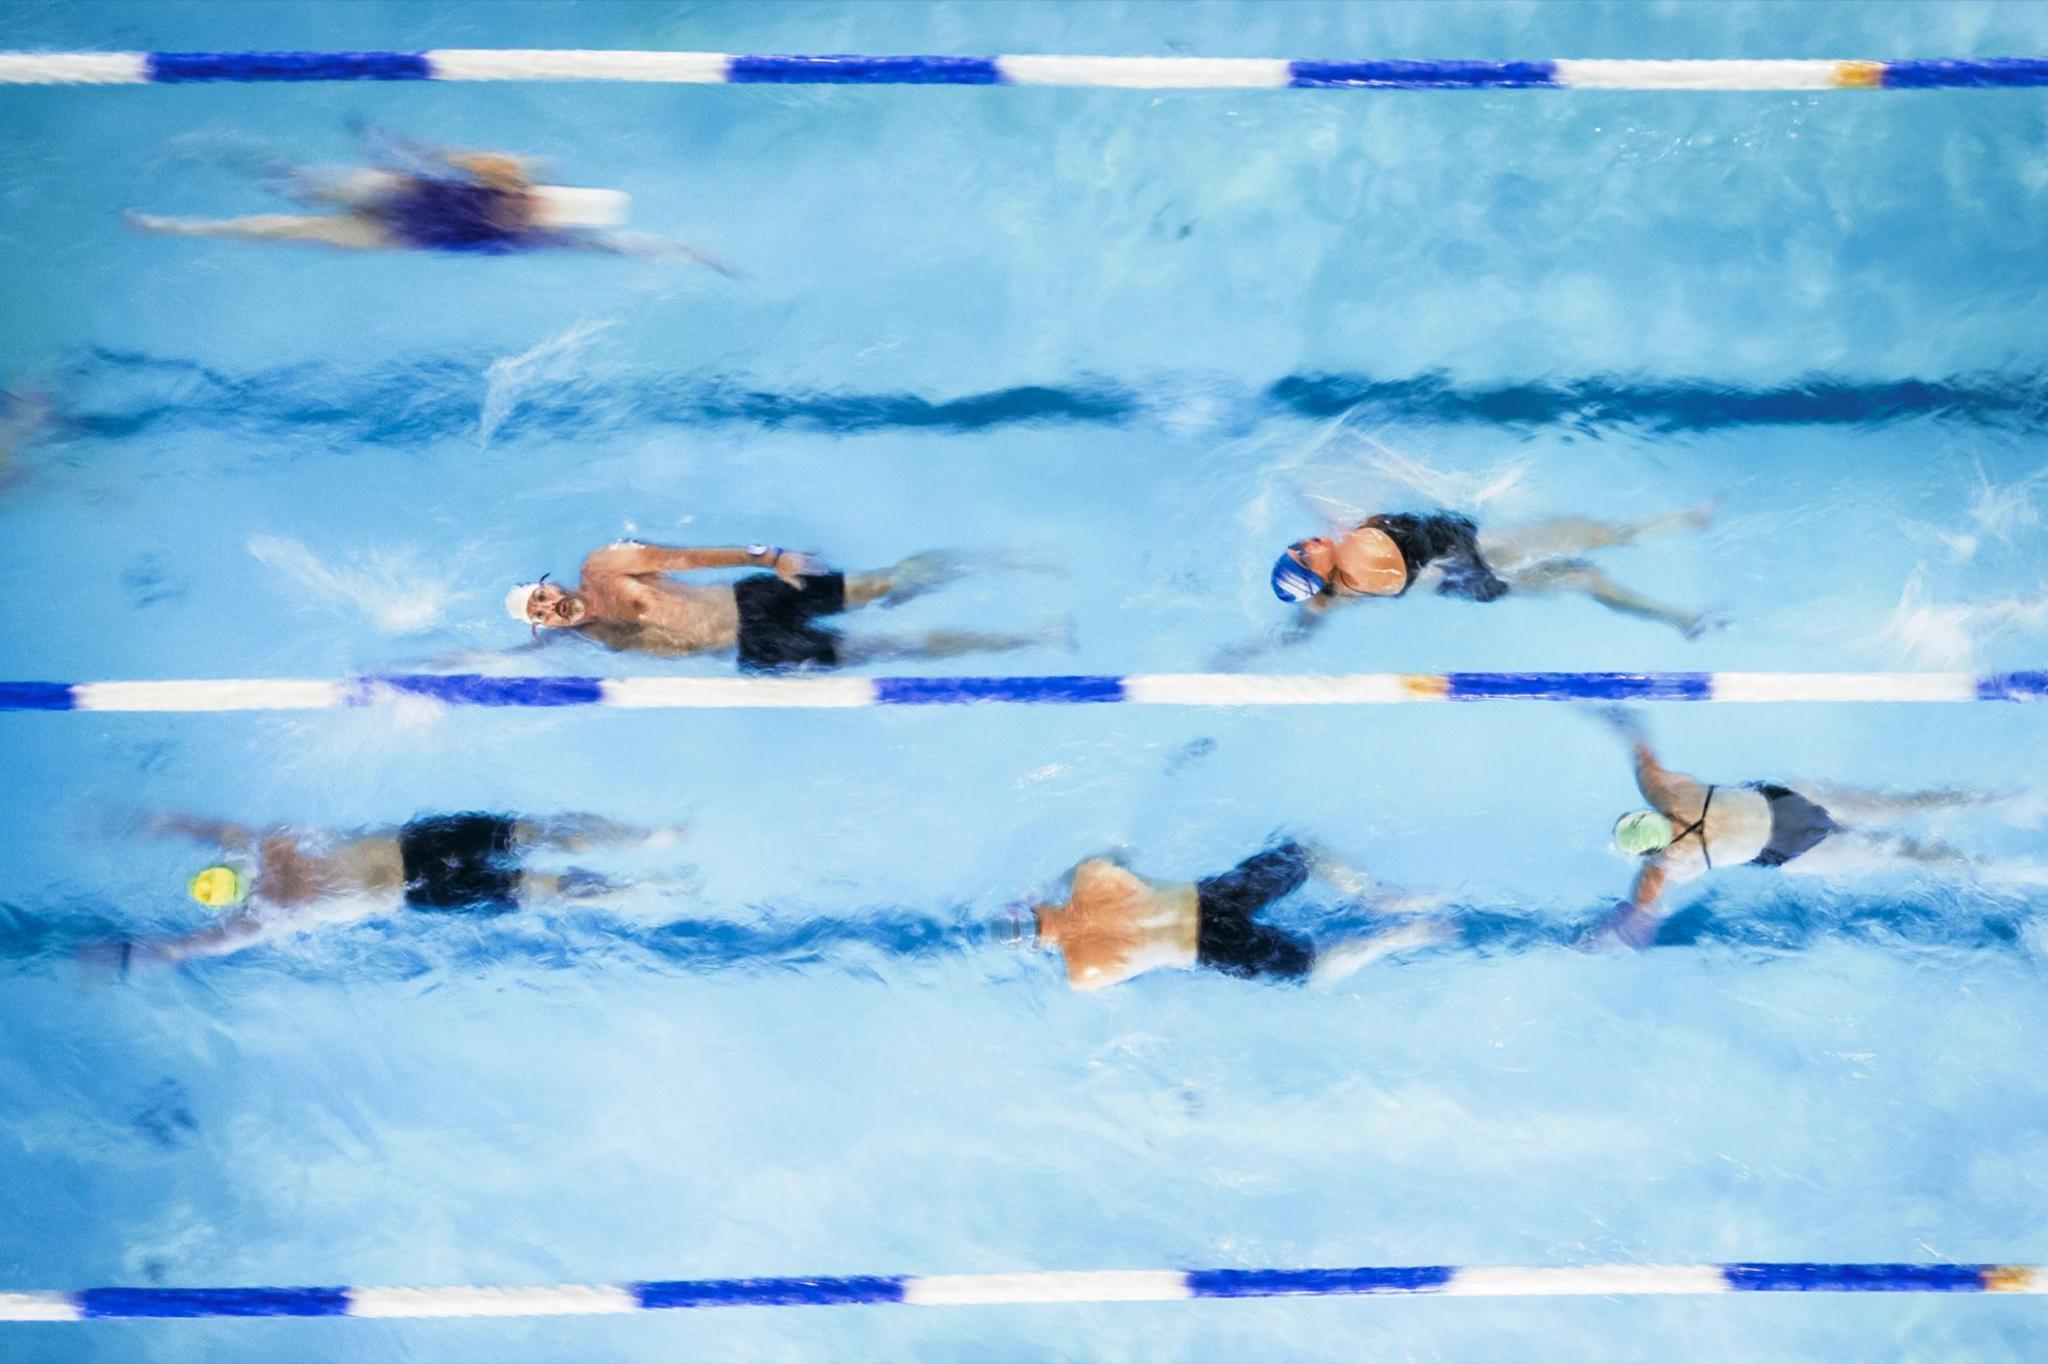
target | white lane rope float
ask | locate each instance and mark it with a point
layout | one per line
(1130, 73)
(1043, 1287)
(810, 692)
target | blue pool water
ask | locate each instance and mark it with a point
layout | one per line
(1112, 336)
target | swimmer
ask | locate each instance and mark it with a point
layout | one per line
(1115, 924)
(278, 881)
(771, 619)
(1385, 556)
(427, 199)
(1800, 827)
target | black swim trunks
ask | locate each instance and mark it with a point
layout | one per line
(1797, 825)
(778, 623)
(1453, 539)
(452, 215)
(460, 864)
(1227, 936)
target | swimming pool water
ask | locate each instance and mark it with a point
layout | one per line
(1111, 336)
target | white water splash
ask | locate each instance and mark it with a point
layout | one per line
(394, 591)
(1345, 461)
(511, 378)
(1947, 634)
(2002, 511)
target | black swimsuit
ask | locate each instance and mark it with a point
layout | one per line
(1228, 937)
(460, 864)
(1424, 540)
(778, 622)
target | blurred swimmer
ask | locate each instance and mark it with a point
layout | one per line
(1114, 924)
(428, 199)
(1384, 556)
(1811, 828)
(278, 881)
(770, 618)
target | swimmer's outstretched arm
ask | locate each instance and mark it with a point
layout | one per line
(1236, 656)
(1667, 790)
(633, 559)
(581, 832)
(640, 246)
(175, 824)
(252, 925)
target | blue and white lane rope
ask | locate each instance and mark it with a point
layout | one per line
(1134, 73)
(965, 1290)
(1156, 689)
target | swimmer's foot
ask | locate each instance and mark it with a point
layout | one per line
(922, 573)
(1705, 623)
(1060, 634)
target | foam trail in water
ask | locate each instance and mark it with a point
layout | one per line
(1346, 475)
(2003, 510)
(509, 379)
(393, 591)
(1946, 635)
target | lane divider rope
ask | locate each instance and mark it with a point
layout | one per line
(963, 1290)
(1133, 73)
(1160, 689)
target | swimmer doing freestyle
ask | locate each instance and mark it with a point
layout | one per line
(624, 601)
(1386, 555)
(1801, 827)
(429, 199)
(277, 881)
(1114, 925)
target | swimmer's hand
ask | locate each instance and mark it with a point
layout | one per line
(1625, 722)
(793, 565)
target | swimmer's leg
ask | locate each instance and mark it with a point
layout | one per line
(591, 889)
(1340, 960)
(1849, 852)
(913, 577)
(1259, 880)
(250, 925)
(1852, 802)
(1564, 536)
(350, 187)
(948, 644)
(582, 832)
(342, 230)
(1349, 881)
(1576, 575)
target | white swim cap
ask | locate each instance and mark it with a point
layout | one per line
(562, 206)
(517, 599)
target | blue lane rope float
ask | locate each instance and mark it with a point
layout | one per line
(1159, 689)
(1136, 73)
(964, 1290)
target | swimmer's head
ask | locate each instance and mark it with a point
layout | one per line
(1303, 569)
(495, 170)
(218, 886)
(559, 206)
(1642, 832)
(544, 605)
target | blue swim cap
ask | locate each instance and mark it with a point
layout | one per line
(1293, 582)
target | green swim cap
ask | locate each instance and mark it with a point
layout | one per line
(1642, 832)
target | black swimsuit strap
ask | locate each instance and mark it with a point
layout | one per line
(1699, 826)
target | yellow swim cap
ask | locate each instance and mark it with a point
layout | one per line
(218, 886)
